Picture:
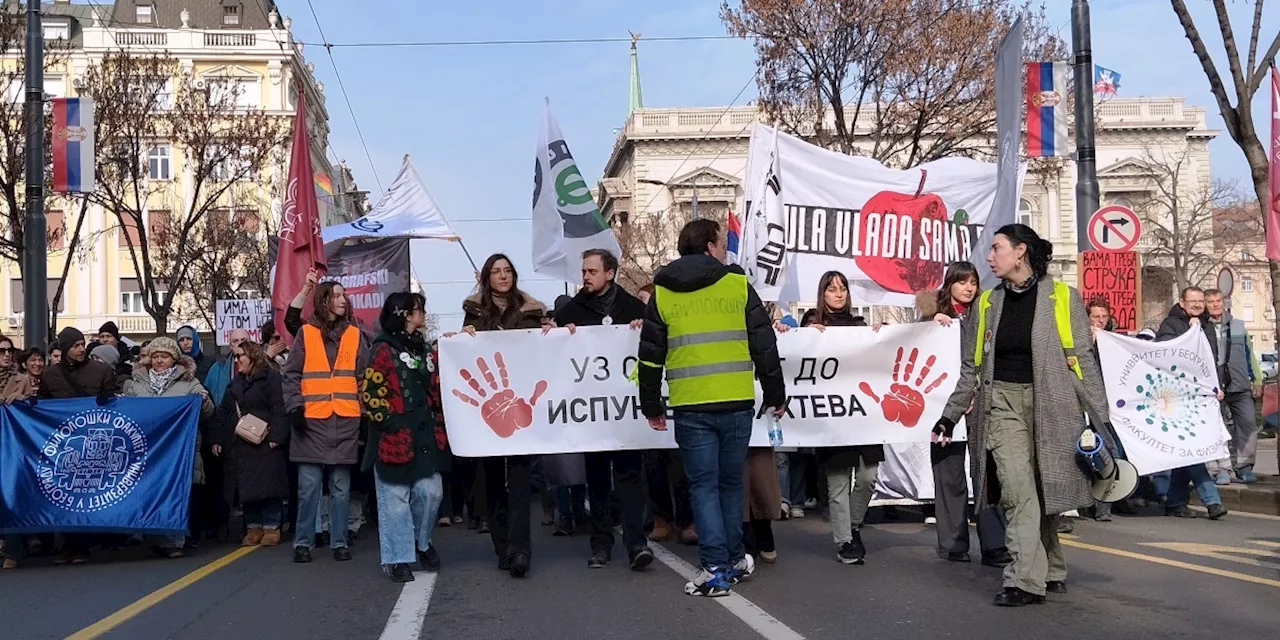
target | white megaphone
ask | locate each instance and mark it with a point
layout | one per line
(1113, 479)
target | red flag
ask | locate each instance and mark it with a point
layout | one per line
(301, 243)
(1273, 180)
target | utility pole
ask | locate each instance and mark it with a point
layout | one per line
(35, 300)
(1086, 154)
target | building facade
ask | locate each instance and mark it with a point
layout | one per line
(246, 43)
(665, 159)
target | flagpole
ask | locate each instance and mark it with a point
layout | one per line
(34, 246)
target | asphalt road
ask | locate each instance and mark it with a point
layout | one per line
(1136, 577)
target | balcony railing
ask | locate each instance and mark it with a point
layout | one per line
(141, 38)
(223, 39)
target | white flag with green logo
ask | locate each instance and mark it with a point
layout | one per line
(566, 220)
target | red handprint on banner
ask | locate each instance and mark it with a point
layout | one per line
(904, 403)
(504, 412)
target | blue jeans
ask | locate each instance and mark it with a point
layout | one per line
(406, 517)
(310, 477)
(1198, 475)
(264, 514)
(714, 449)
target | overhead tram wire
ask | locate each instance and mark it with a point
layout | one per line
(342, 86)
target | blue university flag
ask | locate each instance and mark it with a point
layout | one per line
(71, 465)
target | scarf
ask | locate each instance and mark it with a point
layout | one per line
(7, 373)
(602, 303)
(1025, 286)
(159, 381)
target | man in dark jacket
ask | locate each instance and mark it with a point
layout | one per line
(707, 327)
(603, 302)
(109, 334)
(1187, 314)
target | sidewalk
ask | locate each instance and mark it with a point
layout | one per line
(1263, 496)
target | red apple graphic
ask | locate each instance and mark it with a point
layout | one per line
(901, 274)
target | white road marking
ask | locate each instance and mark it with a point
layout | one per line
(766, 625)
(405, 621)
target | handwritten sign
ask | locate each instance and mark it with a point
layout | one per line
(249, 315)
(1117, 277)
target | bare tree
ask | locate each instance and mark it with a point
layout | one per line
(647, 242)
(144, 100)
(1179, 218)
(229, 254)
(1247, 75)
(910, 78)
(77, 245)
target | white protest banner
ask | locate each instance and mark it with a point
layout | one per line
(519, 392)
(249, 315)
(1164, 403)
(891, 232)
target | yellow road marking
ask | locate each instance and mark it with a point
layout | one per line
(159, 595)
(1222, 552)
(1244, 577)
(1242, 514)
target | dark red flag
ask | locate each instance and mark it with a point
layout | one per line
(301, 243)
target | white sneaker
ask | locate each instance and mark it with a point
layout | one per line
(797, 512)
(931, 520)
(742, 569)
(1072, 514)
(707, 584)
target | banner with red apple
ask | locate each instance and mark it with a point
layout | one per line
(520, 392)
(890, 231)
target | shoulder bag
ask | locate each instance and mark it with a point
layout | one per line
(249, 427)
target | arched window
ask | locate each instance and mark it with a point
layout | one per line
(1024, 213)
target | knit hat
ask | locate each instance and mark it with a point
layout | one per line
(68, 337)
(165, 345)
(108, 353)
(111, 328)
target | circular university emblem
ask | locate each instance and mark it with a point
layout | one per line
(92, 461)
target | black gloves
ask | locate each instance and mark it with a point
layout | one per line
(944, 427)
(297, 419)
(104, 397)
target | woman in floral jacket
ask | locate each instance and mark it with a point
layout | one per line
(407, 448)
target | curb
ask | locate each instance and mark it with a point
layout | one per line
(1262, 497)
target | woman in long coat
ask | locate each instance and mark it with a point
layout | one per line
(1029, 396)
(256, 475)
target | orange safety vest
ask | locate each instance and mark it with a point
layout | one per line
(327, 391)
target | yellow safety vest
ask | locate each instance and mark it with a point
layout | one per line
(708, 359)
(1061, 297)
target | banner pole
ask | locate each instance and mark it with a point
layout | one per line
(468, 254)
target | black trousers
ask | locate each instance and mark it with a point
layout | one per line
(620, 471)
(951, 506)
(509, 489)
(757, 536)
(668, 486)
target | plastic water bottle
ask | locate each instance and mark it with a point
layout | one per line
(775, 430)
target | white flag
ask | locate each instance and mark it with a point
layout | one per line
(406, 210)
(763, 252)
(566, 220)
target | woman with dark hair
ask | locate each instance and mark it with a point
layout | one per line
(500, 305)
(257, 475)
(1029, 372)
(960, 287)
(323, 401)
(407, 445)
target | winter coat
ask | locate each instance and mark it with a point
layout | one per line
(124, 367)
(85, 379)
(333, 440)
(406, 443)
(1178, 323)
(218, 379)
(1061, 400)
(17, 386)
(869, 452)
(202, 360)
(1241, 368)
(254, 472)
(761, 494)
(927, 307)
(529, 315)
(693, 273)
(182, 384)
(583, 310)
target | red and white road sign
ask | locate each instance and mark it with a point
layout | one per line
(1114, 228)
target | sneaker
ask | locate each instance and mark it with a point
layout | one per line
(444, 522)
(811, 503)
(1222, 478)
(797, 512)
(342, 554)
(859, 550)
(786, 511)
(846, 554)
(998, 559)
(1065, 525)
(519, 565)
(301, 554)
(400, 573)
(1247, 476)
(564, 528)
(708, 584)
(429, 559)
(641, 559)
(1216, 511)
(1181, 512)
(598, 560)
(742, 569)
(931, 520)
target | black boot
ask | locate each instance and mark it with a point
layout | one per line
(1015, 597)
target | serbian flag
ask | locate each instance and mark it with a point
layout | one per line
(301, 243)
(1046, 109)
(1273, 181)
(72, 145)
(1106, 82)
(733, 237)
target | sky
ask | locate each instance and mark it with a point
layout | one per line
(469, 115)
